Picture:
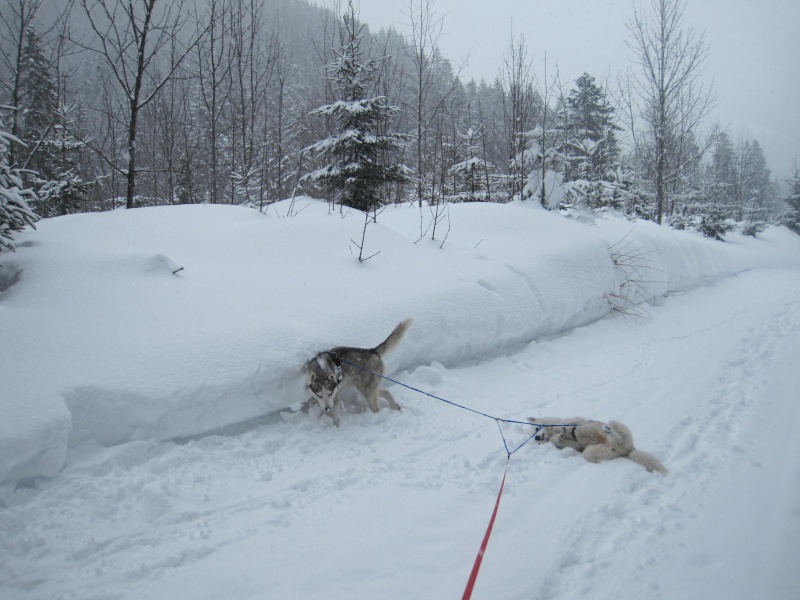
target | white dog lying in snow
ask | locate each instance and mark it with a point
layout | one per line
(597, 441)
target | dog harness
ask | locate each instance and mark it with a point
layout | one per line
(338, 372)
(337, 366)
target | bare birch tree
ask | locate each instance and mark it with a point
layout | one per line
(425, 32)
(519, 111)
(130, 38)
(665, 100)
(430, 79)
(213, 66)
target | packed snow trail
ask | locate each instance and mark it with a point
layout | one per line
(395, 504)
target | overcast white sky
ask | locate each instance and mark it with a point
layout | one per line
(754, 61)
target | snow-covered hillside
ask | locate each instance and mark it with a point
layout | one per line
(148, 397)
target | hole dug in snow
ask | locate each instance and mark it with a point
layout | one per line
(158, 263)
(9, 275)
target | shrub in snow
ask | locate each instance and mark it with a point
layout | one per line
(753, 229)
(714, 224)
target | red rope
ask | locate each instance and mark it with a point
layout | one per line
(478, 559)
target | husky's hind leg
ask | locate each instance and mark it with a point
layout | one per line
(599, 452)
(369, 389)
(387, 395)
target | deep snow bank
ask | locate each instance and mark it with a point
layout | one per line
(106, 339)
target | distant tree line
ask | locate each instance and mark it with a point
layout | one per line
(110, 103)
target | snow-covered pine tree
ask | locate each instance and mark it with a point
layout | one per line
(587, 119)
(754, 208)
(38, 106)
(546, 177)
(637, 202)
(472, 173)
(359, 155)
(792, 216)
(592, 175)
(60, 189)
(722, 171)
(48, 161)
(15, 214)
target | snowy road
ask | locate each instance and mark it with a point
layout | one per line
(395, 505)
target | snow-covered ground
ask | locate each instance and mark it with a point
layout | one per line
(148, 448)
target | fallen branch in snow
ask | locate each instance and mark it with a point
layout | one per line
(633, 265)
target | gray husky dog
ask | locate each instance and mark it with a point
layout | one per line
(362, 368)
(597, 441)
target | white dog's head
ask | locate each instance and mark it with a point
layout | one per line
(323, 377)
(546, 433)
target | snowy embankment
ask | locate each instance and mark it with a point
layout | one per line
(105, 340)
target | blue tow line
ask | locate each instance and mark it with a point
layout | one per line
(497, 420)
